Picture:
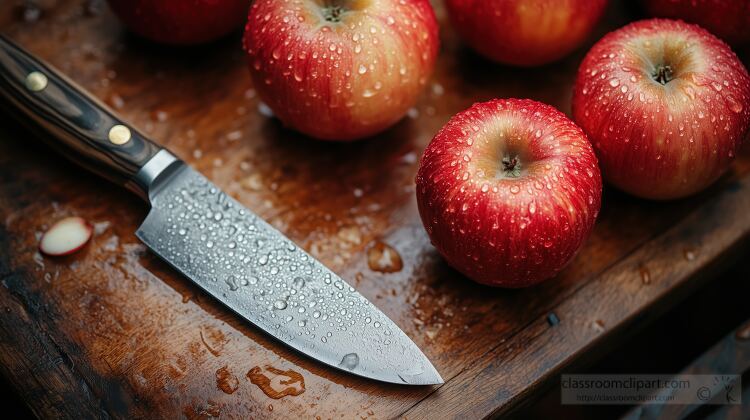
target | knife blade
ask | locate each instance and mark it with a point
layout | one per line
(212, 239)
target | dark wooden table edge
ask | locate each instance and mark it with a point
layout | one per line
(631, 326)
(728, 356)
(684, 286)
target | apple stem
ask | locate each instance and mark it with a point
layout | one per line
(511, 166)
(663, 74)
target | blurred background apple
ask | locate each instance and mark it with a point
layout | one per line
(181, 22)
(525, 32)
(727, 19)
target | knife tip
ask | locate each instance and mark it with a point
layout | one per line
(434, 377)
(428, 377)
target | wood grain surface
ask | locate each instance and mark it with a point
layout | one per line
(113, 331)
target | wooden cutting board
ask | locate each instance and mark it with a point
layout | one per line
(112, 331)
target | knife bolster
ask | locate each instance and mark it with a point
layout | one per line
(153, 173)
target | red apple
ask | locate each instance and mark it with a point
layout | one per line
(508, 191)
(181, 22)
(666, 106)
(728, 19)
(340, 70)
(525, 32)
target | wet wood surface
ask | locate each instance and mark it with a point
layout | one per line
(114, 331)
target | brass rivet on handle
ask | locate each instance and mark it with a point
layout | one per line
(119, 134)
(36, 81)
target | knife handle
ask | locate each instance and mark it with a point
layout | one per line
(75, 123)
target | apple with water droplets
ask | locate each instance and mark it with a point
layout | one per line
(340, 69)
(181, 22)
(666, 106)
(508, 191)
(727, 19)
(525, 32)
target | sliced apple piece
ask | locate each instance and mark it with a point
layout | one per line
(66, 236)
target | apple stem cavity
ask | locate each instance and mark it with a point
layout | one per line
(332, 13)
(663, 74)
(511, 166)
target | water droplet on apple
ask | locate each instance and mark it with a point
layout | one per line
(690, 92)
(734, 105)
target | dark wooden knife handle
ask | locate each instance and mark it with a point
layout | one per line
(76, 124)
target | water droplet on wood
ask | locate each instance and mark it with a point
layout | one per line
(383, 258)
(277, 383)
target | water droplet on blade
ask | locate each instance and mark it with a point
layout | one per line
(280, 305)
(350, 361)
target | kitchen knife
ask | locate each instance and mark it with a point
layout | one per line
(212, 239)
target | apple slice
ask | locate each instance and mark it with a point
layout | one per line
(66, 236)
